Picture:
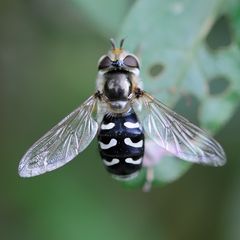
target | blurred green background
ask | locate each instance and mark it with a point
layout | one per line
(48, 56)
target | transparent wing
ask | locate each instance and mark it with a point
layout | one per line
(176, 134)
(62, 143)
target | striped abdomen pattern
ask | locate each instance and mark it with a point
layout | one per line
(121, 143)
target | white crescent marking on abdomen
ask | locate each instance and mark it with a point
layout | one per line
(131, 125)
(113, 162)
(112, 143)
(107, 126)
(129, 142)
(131, 161)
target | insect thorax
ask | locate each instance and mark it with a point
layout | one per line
(117, 88)
(121, 144)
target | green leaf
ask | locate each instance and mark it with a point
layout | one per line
(105, 16)
(166, 171)
(216, 110)
(171, 35)
(232, 9)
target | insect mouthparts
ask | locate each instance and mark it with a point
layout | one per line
(117, 63)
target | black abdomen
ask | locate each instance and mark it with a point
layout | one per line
(121, 144)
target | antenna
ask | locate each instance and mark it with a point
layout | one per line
(113, 43)
(121, 43)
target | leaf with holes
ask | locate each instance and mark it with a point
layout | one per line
(232, 10)
(187, 48)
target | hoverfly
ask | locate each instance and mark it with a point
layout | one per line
(126, 116)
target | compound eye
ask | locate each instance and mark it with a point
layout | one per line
(131, 61)
(105, 63)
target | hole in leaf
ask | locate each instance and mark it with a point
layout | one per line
(188, 106)
(220, 34)
(218, 85)
(156, 69)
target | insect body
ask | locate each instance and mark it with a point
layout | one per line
(126, 116)
(121, 144)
